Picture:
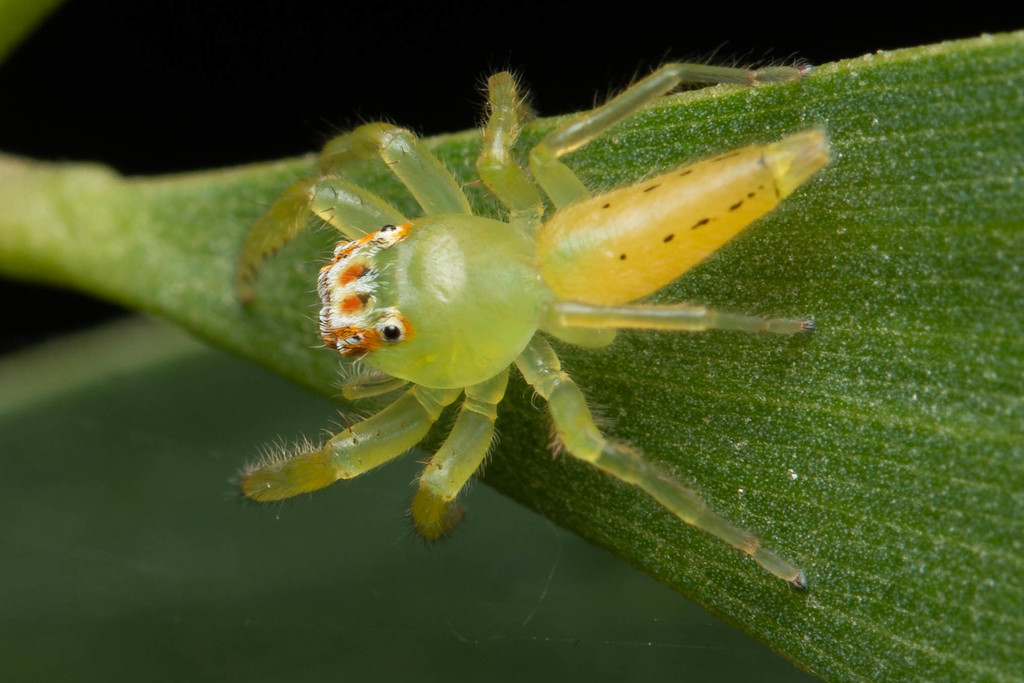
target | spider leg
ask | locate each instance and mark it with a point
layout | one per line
(434, 511)
(360, 448)
(499, 171)
(582, 439)
(562, 185)
(349, 208)
(675, 317)
(407, 157)
(369, 384)
(354, 211)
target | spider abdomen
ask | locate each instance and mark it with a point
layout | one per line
(622, 245)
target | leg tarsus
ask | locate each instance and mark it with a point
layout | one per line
(781, 74)
(432, 515)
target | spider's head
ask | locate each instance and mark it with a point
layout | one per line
(442, 301)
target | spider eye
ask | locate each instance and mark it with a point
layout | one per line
(387, 228)
(393, 327)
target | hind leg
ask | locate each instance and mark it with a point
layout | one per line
(582, 439)
(562, 185)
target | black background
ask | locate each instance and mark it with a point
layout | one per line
(162, 87)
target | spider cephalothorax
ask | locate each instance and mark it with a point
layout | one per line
(449, 301)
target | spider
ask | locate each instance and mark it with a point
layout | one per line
(449, 301)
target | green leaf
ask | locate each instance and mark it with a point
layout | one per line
(884, 455)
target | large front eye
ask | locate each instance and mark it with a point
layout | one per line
(387, 228)
(393, 328)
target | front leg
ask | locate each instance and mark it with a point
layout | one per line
(356, 450)
(422, 173)
(355, 212)
(582, 439)
(351, 209)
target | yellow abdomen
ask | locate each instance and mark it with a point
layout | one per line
(632, 241)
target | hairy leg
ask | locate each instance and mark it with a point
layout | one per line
(499, 171)
(583, 440)
(355, 212)
(407, 157)
(434, 511)
(360, 448)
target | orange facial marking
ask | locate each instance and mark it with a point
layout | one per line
(347, 250)
(352, 340)
(352, 304)
(352, 273)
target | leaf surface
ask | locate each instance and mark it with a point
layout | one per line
(884, 455)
